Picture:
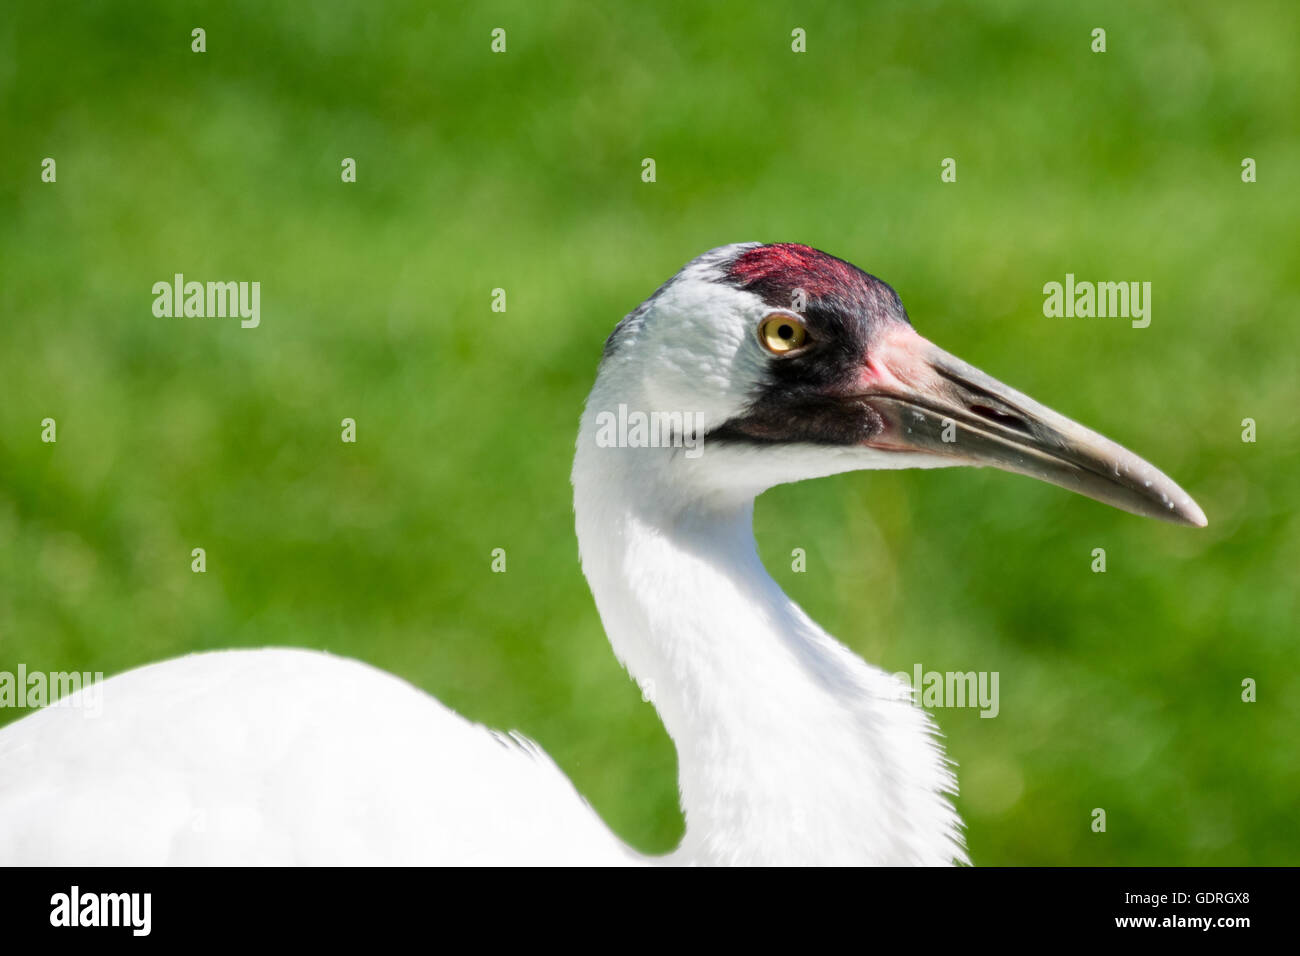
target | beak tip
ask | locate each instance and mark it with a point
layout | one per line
(1187, 512)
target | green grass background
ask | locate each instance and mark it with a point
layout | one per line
(475, 171)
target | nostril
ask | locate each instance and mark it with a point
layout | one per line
(1002, 418)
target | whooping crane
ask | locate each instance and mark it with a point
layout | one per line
(791, 749)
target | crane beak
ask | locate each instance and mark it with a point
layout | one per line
(934, 403)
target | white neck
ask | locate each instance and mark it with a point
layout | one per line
(791, 749)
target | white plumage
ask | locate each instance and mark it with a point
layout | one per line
(280, 757)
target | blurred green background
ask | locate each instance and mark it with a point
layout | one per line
(523, 171)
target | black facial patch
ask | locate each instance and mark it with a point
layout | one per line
(811, 419)
(807, 395)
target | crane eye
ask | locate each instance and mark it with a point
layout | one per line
(781, 332)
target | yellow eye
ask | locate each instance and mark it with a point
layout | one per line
(780, 333)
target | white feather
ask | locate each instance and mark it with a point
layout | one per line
(281, 757)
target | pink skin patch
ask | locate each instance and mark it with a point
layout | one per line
(897, 367)
(897, 363)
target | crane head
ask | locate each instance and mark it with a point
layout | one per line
(803, 365)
